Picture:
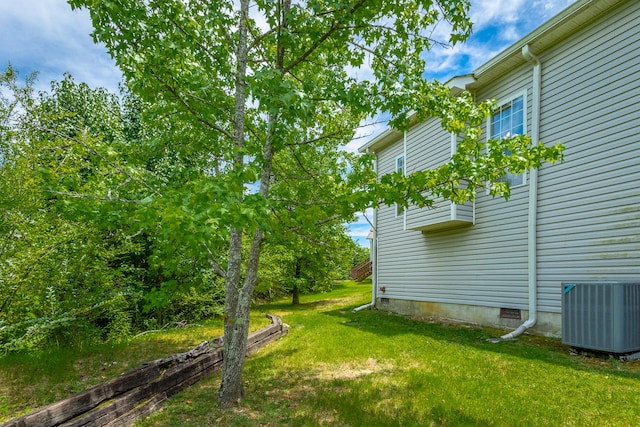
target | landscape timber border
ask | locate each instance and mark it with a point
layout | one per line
(137, 393)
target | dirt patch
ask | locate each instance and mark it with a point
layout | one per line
(350, 370)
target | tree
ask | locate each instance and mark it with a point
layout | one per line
(307, 236)
(295, 265)
(81, 256)
(61, 272)
(250, 79)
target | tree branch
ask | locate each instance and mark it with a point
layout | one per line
(371, 52)
(212, 262)
(76, 195)
(195, 41)
(335, 26)
(317, 223)
(416, 35)
(321, 137)
(188, 107)
(318, 242)
(96, 152)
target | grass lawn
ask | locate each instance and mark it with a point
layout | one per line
(370, 368)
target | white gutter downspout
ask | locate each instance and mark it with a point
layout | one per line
(374, 270)
(404, 172)
(374, 259)
(533, 200)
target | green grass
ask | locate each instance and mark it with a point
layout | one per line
(341, 368)
(31, 380)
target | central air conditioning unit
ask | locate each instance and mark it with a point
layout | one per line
(602, 316)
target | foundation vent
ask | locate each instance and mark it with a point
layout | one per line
(510, 313)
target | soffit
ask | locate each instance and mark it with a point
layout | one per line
(552, 32)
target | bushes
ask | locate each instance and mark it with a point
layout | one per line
(77, 264)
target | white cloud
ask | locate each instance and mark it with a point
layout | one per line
(360, 229)
(493, 12)
(362, 224)
(48, 37)
(497, 25)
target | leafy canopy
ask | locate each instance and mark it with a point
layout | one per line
(254, 88)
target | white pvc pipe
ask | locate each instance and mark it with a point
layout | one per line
(374, 273)
(533, 201)
(362, 307)
(374, 258)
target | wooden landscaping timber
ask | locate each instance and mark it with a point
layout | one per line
(138, 393)
(361, 271)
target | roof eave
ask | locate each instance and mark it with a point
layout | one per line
(548, 34)
(382, 140)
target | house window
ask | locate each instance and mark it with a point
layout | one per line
(400, 169)
(509, 120)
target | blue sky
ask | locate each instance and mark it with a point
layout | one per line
(48, 37)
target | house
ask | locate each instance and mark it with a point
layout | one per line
(575, 80)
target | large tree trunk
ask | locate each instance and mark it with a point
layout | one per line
(238, 298)
(236, 329)
(236, 323)
(295, 300)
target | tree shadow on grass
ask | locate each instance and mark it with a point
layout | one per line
(314, 399)
(309, 301)
(539, 348)
(284, 307)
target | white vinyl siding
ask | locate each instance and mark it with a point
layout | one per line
(428, 146)
(387, 214)
(588, 206)
(485, 264)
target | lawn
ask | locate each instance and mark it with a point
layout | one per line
(341, 368)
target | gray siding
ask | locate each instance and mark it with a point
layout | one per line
(387, 221)
(485, 264)
(429, 146)
(589, 206)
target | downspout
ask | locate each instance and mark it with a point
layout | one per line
(404, 172)
(374, 256)
(374, 269)
(374, 259)
(533, 200)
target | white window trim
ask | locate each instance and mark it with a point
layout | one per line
(522, 93)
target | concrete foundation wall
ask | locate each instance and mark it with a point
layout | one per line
(549, 324)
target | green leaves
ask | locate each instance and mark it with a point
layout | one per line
(77, 250)
(245, 110)
(475, 166)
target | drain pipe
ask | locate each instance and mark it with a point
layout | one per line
(374, 260)
(533, 201)
(374, 269)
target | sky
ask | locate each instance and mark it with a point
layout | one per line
(48, 37)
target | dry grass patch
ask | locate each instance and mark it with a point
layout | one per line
(350, 370)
